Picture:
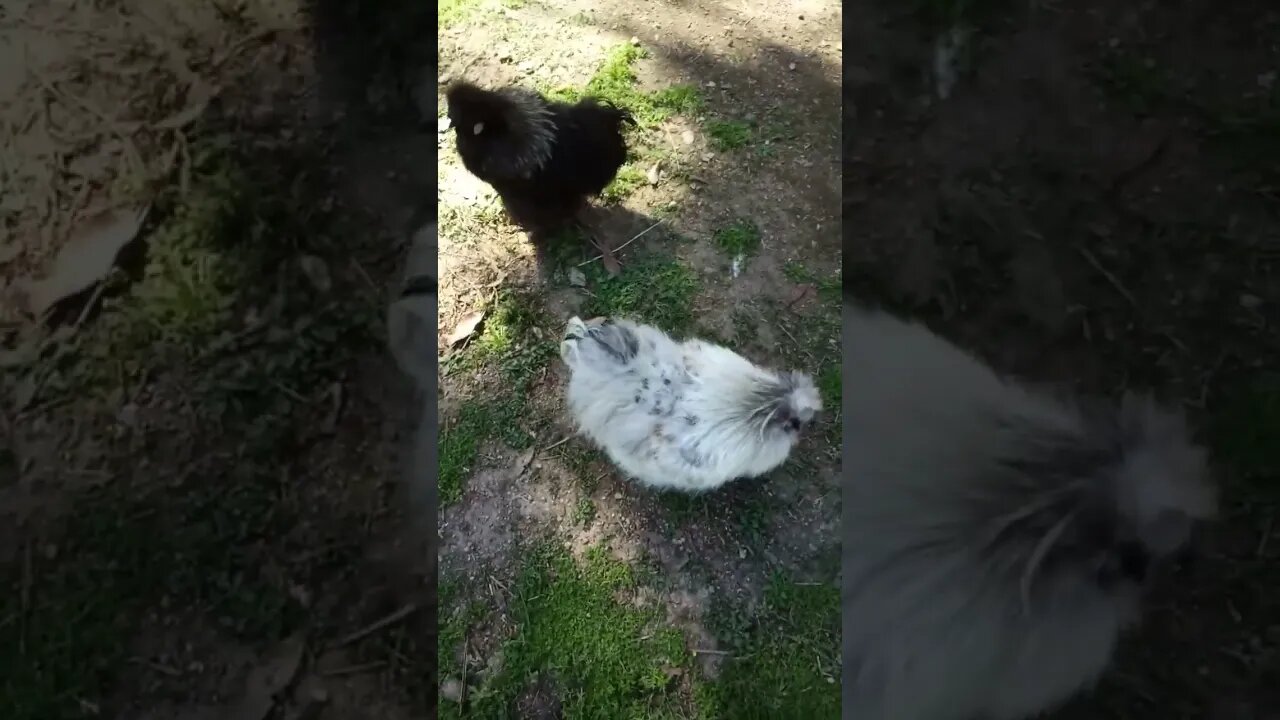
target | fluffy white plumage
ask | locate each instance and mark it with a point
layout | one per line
(997, 540)
(685, 415)
(411, 338)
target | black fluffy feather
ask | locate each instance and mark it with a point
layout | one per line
(544, 158)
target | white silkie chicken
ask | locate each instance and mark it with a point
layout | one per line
(997, 541)
(411, 337)
(688, 415)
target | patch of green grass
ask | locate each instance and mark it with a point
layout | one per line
(740, 238)
(208, 265)
(798, 273)
(584, 512)
(605, 659)
(615, 81)
(653, 289)
(78, 629)
(452, 12)
(786, 660)
(743, 504)
(512, 339)
(580, 459)
(457, 617)
(829, 385)
(728, 134)
(828, 287)
(629, 179)
(514, 342)
(677, 100)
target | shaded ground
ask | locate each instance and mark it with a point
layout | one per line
(567, 591)
(200, 507)
(1094, 201)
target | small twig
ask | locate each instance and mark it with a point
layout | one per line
(615, 250)
(1115, 282)
(558, 443)
(700, 651)
(466, 650)
(385, 622)
(354, 669)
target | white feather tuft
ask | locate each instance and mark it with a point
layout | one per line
(688, 415)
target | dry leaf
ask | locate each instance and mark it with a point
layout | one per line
(466, 327)
(87, 257)
(273, 675)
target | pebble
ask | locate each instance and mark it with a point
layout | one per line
(442, 125)
(451, 690)
(687, 136)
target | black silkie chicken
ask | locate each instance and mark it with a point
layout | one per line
(544, 158)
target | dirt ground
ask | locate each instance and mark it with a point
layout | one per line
(725, 224)
(203, 498)
(1086, 193)
(201, 489)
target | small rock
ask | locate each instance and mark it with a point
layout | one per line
(617, 496)
(792, 66)
(687, 136)
(742, 554)
(711, 83)
(442, 125)
(576, 278)
(654, 174)
(708, 156)
(635, 41)
(451, 690)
